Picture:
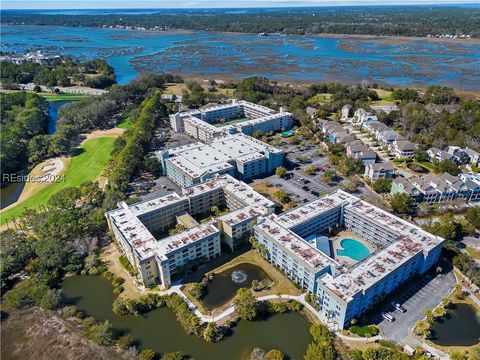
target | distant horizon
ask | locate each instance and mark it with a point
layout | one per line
(205, 4)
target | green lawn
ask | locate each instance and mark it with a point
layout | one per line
(473, 252)
(62, 97)
(125, 123)
(85, 166)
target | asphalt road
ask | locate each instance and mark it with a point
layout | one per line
(424, 294)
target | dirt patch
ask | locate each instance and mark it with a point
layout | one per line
(110, 255)
(43, 335)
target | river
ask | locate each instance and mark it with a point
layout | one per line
(392, 61)
(10, 193)
(160, 331)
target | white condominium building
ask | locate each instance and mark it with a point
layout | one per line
(208, 123)
(141, 229)
(346, 289)
(238, 155)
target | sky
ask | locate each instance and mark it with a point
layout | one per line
(117, 4)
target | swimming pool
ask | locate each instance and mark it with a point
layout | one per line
(288, 133)
(353, 249)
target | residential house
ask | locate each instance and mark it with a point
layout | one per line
(379, 171)
(335, 133)
(401, 185)
(403, 149)
(374, 127)
(439, 155)
(459, 155)
(389, 136)
(357, 150)
(312, 112)
(439, 188)
(474, 157)
(472, 186)
(347, 111)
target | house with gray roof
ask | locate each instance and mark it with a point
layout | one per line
(403, 149)
(379, 171)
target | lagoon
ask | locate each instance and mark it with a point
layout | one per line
(460, 327)
(387, 61)
(160, 331)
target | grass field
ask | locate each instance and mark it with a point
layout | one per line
(125, 123)
(473, 252)
(85, 166)
(63, 97)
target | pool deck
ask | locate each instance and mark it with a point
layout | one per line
(346, 234)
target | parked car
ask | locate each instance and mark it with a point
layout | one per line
(388, 317)
(398, 307)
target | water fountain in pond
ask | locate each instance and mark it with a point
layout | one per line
(239, 276)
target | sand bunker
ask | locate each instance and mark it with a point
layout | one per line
(52, 169)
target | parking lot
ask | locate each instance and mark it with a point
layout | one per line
(424, 294)
(291, 186)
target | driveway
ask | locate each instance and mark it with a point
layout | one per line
(424, 294)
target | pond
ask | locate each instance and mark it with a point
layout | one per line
(223, 287)
(160, 331)
(53, 107)
(460, 327)
(10, 193)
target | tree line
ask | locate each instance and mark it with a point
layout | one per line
(25, 141)
(95, 73)
(391, 20)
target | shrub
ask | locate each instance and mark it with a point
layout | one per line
(117, 290)
(147, 354)
(177, 355)
(125, 342)
(198, 290)
(365, 331)
(275, 354)
(99, 332)
(33, 291)
(126, 264)
(245, 304)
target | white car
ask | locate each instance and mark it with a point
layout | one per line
(388, 317)
(398, 307)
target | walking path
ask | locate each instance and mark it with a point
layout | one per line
(300, 298)
(208, 318)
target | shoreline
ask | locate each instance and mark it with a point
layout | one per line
(395, 39)
(300, 84)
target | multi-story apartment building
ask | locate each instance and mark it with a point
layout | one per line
(346, 292)
(209, 123)
(238, 155)
(141, 229)
(439, 188)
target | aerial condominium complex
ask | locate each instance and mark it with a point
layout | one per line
(238, 155)
(346, 251)
(208, 123)
(141, 230)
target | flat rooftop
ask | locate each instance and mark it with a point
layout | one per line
(307, 253)
(409, 241)
(217, 156)
(315, 208)
(143, 243)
